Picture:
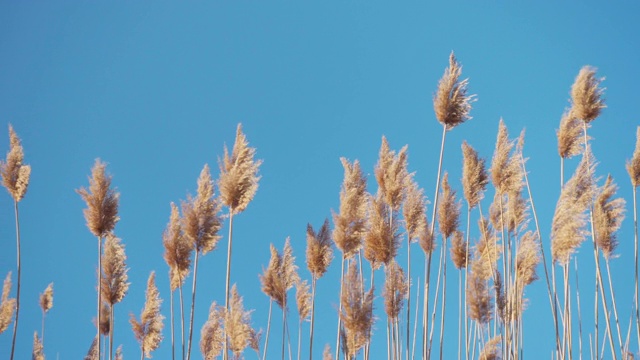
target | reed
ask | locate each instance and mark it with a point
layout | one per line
(633, 168)
(46, 303)
(148, 331)
(38, 348)
(237, 323)
(114, 279)
(7, 305)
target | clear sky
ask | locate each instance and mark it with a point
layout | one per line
(156, 90)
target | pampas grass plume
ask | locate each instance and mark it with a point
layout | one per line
(114, 279)
(15, 175)
(633, 165)
(7, 305)
(101, 213)
(148, 331)
(448, 209)
(46, 299)
(391, 172)
(587, 95)
(177, 248)
(200, 221)
(350, 223)
(319, 251)
(212, 334)
(569, 135)
(237, 324)
(451, 102)
(608, 214)
(474, 175)
(38, 349)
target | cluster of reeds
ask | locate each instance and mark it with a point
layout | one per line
(493, 270)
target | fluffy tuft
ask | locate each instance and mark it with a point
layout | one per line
(350, 223)
(319, 251)
(474, 176)
(148, 331)
(101, 213)
(587, 95)
(200, 221)
(451, 102)
(15, 175)
(608, 214)
(114, 271)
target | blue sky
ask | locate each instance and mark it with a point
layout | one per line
(157, 90)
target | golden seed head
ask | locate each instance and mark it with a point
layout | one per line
(391, 173)
(474, 176)
(200, 221)
(350, 223)
(148, 331)
(15, 175)
(587, 96)
(608, 214)
(319, 251)
(451, 102)
(448, 209)
(101, 213)
(633, 165)
(46, 299)
(382, 240)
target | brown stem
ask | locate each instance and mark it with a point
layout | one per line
(313, 315)
(226, 291)
(193, 305)
(266, 339)
(15, 324)
(173, 344)
(339, 311)
(182, 318)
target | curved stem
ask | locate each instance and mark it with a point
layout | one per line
(266, 339)
(284, 327)
(226, 291)
(193, 305)
(635, 225)
(182, 318)
(339, 311)
(15, 324)
(313, 315)
(111, 330)
(444, 296)
(99, 288)
(615, 307)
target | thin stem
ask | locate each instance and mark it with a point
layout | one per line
(339, 311)
(173, 347)
(182, 318)
(99, 292)
(433, 223)
(466, 275)
(444, 297)
(266, 337)
(299, 337)
(193, 305)
(284, 318)
(567, 317)
(15, 324)
(459, 314)
(226, 291)
(605, 308)
(408, 294)
(415, 322)
(615, 307)
(313, 315)
(43, 315)
(635, 232)
(111, 330)
(435, 302)
(579, 311)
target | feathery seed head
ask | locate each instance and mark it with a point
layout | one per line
(200, 221)
(487, 251)
(448, 209)
(382, 241)
(633, 165)
(105, 323)
(15, 175)
(391, 174)
(148, 331)
(350, 223)
(114, 269)
(569, 135)
(237, 324)
(272, 284)
(101, 213)
(119, 353)
(303, 300)
(319, 251)
(491, 350)
(7, 305)
(395, 290)
(474, 176)
(38, 349)
(239, 174)
(502, 165)
(414, 210)
(46, 299)
(587, 96)
(479, 299)
(356, 312)
(608, 214)
(326, 354)
(177, 250)
(92, 354)
(451, 102)
(527, 259)
(212, 333)
(459, 254)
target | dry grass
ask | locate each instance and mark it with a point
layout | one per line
(200, 221)
(569, 135)
(7, 305)
(478, 299)
(148, 331)
(239, 174)
(608, 214)
(92, 354)
(38, 349)
(527, 259)
(101, 213)
(237, 323)
(326, 354)
(382, 240)
(391, 174)
(491, 350)
(281, 275)
(474, 175)
(15, 175)
(448, 210)
(46, 299)
(395, 290)
(451, 102)
(414, 210)
(319, 251)
(587, 95)
(633, 165)
(303, 300)
(459, 254)
(350, 223)
(114, 270)
(177, 250)
(356, 312)
(212, 333)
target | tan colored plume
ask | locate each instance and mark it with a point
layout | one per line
(200, 221)
(101, 213)
(237, 324)
(391, 173)
(281, 274)
(491, 350)
(608, 214)
(177, 250)
(114, 270)
(459, 254)
(38, 349)
(414, 210)
(326, 354)
(505, 169)
(7, 305)
(569, 135)
(451, 102)
(46, 299)
(319, 251)
(212, 333)
(448, 209)
(15, 175)
(148, 331)
(239, 174)
(382, 239)
(119, 353)
(350, 223)
(105, 323)
(92, 354)
(303, 300)
(527, 259)
(356, 312)
(633, 165)
(569, 219)
(474, 176)
(395, 290)
(587, 95)
(478, 299)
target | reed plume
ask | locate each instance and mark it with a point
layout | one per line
(350, 223)
(474, 176)
(587, 95)
(254, 341)
(101, 216)
(326, 354)
(487, 252)
(237, 324)
(272, 282)
(46, 303)
(7, 305)
(104, 324)
(491, 350)
(38, 348)
(478, 298)
(569, 135)
(459, 248)
(451, 102)
(391, 173)
(212, 333)
(527, 259)
(569, 219)
(15, 178)
(608, 214)
(382, 240)
(319, 251)
(177, 254)
(414, 210)
(395, 290)
(303, 304)
(200, 225)
(449, 209)
(504, 168)
(633, 165)
(148, 331)
(119, 353)
(356, 312)
(114, 279)
(92, 354)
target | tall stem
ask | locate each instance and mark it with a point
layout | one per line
(459, 314)
(173, 345)
(226, 291)
(567, 316)
(339, 311)
(444, 296)
(284, 327)
(433, 223)
(182, 318)
(266, 338)
(15, 324)
(193, 305)
(313, 315)
(415, 321)
(99, 292)
(579, 311)
(408, 294)
(299, 336)
(635, 226)
(435, 302)
(43, 315)
(615, 307)
(111, 330)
